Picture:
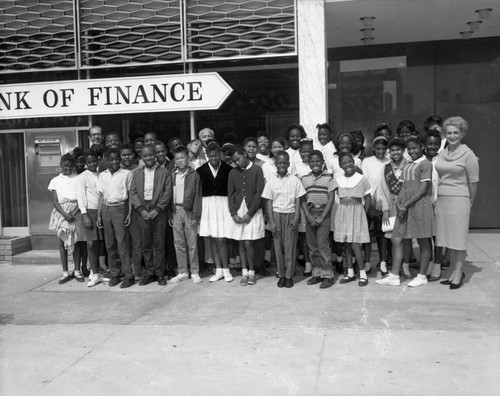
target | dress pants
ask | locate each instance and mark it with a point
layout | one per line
(135, 243)
(117, 240)
(318, 241)
(153, 241)
(185, 241)
(285, 244)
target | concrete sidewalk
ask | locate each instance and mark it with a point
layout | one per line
(224, 339)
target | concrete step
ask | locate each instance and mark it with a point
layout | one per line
(39, 257)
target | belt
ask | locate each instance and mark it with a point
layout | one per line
(179, 204)
(113, 204)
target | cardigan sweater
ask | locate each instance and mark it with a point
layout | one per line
(245, 184)
(211, 186)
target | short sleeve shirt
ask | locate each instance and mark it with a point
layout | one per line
(318, 187)
(283, 191)
(65, 187)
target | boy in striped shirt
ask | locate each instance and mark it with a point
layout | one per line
(317, 204)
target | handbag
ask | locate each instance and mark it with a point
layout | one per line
(390, 226)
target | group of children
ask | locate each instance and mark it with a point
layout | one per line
(284, 192)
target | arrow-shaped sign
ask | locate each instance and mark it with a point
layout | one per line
(180, 92)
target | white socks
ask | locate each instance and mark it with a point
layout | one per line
(383, 266)
(362, 274)
(350, 272)
(308, 267)
(251, 273)
(244, 272)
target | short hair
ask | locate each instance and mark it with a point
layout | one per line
(181, 150)
(344, 154)
(194, 140)
(139, 140)
(397, 141)
(458, 122)
(250, 139)
(380, 140)
(306, 142)
(405, 124)
(325, 125)
(126, 146)
(111, 133)
(303, 133)
(318, 153)
(358, 133)
(380, 128)
(77, 152)
(148, 147)
(171, 140)
(229, 137)
(432, 120)
(68, 157)
(283, 153)
(206, 130)
(353, 141)
(263, 134)
(89, 152)
(151, 133)
(159, 143)
(433, 133)
(97, 149)
(236, 149)
(213, 146)
(112, 151)
(415, 139)
(280, 140)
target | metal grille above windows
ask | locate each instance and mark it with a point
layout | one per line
(38, 35)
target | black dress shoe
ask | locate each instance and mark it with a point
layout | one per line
(281, 282)
(446, 282)
(115, 280)
(326, 283)
(162, 281)
(85, 271)
(314, 280)
(455, 286)
(147, 279)
(307, 274)
(288, 283)
(127, 283)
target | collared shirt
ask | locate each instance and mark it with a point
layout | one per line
(179, 186)
(149, 178)
(318, 187)
(355, 186)
(87, 194)
(65, 187)
(283, 191)
(114, 187)
(300, 169)
(335, 169)
(213, 170)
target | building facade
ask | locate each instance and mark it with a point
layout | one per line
(286, 60)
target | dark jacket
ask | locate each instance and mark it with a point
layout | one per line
(192, 192)
(245, 184)
(211, 186)
(162, 190)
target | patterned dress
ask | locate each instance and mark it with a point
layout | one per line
(350, 223)
(418, 222)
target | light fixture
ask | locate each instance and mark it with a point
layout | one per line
(474, 25)
(367, 32)
(367, 21)
(484, 13)
(367, 40)
(466, 35)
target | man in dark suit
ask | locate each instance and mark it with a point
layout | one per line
(150, 192)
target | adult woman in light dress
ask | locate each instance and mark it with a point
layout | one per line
(458, 170)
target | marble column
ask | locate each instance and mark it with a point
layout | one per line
(312, 51)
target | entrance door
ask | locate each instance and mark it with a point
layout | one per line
(44, 148)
